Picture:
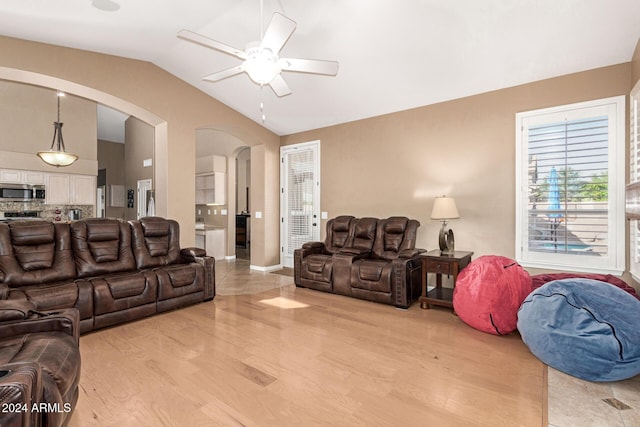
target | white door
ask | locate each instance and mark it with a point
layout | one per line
(299, 197)
(144, 187)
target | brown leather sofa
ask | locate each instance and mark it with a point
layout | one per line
(109, 270)
(39, 365)
(367, 258)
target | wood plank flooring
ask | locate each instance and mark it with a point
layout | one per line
(286, 356)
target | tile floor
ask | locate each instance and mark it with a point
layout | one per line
(574, 402)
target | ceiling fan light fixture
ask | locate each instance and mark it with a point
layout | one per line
(262, 65)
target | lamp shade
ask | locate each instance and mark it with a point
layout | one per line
(444, 208)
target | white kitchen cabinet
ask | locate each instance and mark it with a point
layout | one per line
(210, 189)
(63, 189)
(57, 189)
(215, 242)
(209, 164)
(83, 190)
(16, 176)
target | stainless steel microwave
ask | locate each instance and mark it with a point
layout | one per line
(21, 192)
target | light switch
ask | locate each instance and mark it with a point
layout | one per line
(258, 214)
(223, 211)
(324, 215)
(208, 211)
(215, 211)
(199, 212)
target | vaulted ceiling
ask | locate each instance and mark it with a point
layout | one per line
(393, 55)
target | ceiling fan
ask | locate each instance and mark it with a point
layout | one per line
(260, 59)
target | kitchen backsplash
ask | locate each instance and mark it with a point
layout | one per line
(212, 215)
(48, 212)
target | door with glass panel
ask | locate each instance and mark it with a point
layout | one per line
(299, 197)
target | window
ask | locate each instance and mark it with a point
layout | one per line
(634, 177)
(570, 175)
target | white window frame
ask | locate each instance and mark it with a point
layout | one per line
(634, 177)
(614, 262)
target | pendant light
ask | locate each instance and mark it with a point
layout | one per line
(56, 156)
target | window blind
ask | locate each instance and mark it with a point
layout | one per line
(300, 172)
(568, 187)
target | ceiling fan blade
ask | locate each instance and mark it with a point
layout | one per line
(315, 66)
(279, 86)
(278, 32)
(213, 44)
(224, 74)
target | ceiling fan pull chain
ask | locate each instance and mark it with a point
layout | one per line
(264, 117)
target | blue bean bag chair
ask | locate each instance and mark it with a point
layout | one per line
(489, 292)
(583, 327)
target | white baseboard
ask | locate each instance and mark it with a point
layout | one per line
(267, 268)
(230, 257)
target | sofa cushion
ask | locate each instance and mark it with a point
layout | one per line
(364, 233)
(122, 292)
(394, 235)
(101, 246)
(35, 252)
(372, 275)
(156, 242)
(338, 233)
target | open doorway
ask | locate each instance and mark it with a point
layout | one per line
(243, 204)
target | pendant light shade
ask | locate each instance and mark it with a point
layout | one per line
(57, 156)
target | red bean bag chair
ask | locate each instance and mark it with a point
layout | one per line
(540, 279)
(489, 292)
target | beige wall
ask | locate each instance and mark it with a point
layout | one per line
(396, 164)
(635, 65)
(175, 108)
(138, 146)
(111, 158)
(27, 114)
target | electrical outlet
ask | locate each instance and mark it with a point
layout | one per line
(199, 212)
(208, 211)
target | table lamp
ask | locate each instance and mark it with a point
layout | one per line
(444, 209)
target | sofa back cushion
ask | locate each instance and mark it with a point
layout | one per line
(156, 242)
(101, 246)
(394, 235)
(364, 233)
(34, 252)
(338, 233)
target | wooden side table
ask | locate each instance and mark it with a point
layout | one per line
(434, 262)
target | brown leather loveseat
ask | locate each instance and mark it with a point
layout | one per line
(367, 258)
(111, 271)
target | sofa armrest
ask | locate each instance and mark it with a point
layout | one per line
(20, 389)
(192, 253)
(209, 264)
(26, 322)
(410, 253)
(313, 245)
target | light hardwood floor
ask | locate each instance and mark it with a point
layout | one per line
(265, 353)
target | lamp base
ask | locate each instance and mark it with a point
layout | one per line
(446, 240)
